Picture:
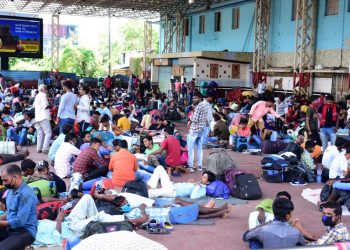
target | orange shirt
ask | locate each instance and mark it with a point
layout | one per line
(317, 152)
(124, 165)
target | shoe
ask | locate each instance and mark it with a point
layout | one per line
(191, 170)
(45, 152)
(199, 168)
(298, 182)
(39, 151)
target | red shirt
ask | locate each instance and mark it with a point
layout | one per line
(108, 83)
(86, 160)
(173, 155)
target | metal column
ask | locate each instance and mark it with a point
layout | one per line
(55, 42)
(109, 45)
(147, 49)
(168, 35)
(304, 53)
(180, 35)
(261, 40)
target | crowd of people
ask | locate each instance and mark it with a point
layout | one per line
(93, 142)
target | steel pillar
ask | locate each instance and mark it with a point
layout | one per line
(147, 49)
(304, 53)
(168, 35)
(55, 42)
(261, 40)
(180, 32)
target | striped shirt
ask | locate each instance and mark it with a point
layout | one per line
(199, 118)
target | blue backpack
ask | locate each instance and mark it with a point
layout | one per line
(241, 144)
(218, 189)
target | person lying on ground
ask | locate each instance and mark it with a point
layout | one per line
(182, 189)
(278, 233)
(336, 231)
(85, 211)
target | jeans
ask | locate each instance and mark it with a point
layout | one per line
(161, 160)
(143, 175)
(190, 97)
(13, 239)
(65, 121)
(95, 173)
(148, 168)
(194, 139)
(205, 135)
(20, 139)
(324, 134)
(43, 129)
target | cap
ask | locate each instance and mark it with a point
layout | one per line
(42, 164)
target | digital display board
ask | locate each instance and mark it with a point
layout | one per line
(21, 37)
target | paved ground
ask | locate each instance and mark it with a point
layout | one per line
(227, 233)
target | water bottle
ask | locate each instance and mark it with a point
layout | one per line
(319, 174)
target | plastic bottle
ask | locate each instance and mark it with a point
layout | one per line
(319, 174)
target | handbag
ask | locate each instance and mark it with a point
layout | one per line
(7, 147)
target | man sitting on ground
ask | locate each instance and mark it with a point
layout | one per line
(278, 233)
(89, 164)
(28, 167)
(43, 171)
(336, 231)
(339, 167)
(18, 226)
(123, 164)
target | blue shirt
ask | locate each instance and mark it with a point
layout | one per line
(55, 145)
(21, 209)
(66, 108)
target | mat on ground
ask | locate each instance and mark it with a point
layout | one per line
(313, 196)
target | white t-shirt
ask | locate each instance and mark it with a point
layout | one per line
(339, 165)
(83, 109)
(62, 159)
(281, 107)
(261, 88)
(329, 155)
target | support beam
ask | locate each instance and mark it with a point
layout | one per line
(168, 35)
(304, 53)
(180, 35)
(147, 49)
(261, 40)
(109, 45)
(55, 42)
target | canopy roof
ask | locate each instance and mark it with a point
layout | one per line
(148, 9)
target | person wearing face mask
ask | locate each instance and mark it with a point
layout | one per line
(18, 226)
(336, 231)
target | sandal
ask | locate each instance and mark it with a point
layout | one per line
(157, 230)
(167, 225)
(153, 223)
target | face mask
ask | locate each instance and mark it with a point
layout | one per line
(125, 208)
(327, 221)
(9, 186)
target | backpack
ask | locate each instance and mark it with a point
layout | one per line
(203, 89)
(136, 187)
(274, 168)
(212, 89)
(96, 227)
(230, 179)
(46, 188)
(248, 187)
(294, 148)
(218, 189)
(272, 147)
(218, 161)
(241, 144)
(48, 210)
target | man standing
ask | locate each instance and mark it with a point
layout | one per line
(336, 231)
(329, 121)
(312, 121)
(261, 89)
(66, 109)
(191, 86)
(18, 226)
(194, 138)
(108, 85)
(42, 120)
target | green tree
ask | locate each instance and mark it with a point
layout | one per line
(81, 61)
